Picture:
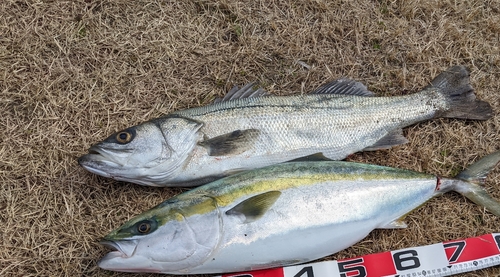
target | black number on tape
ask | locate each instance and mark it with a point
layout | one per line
(308, 270)
(408, 257)
(459, 248)
(497, 239)
(352, 266)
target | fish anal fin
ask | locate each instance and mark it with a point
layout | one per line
(396, 224)
(343, 86)
(312, 158)
(232, 143)
(388, 141)
(255, 207)
(234, 171)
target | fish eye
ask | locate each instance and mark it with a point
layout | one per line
(144, 227)
(123, 137)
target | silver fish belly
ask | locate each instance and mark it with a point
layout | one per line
(194, 146)
(279, 215)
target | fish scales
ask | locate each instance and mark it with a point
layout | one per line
(280, 215)
(320, 211)
(299, 122)
(297, 126)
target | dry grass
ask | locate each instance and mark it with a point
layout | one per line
(72, 72)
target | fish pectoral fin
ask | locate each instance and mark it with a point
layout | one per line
(396, 224)
(343, 86)
(256, 206)
(232, 143)
(248, 91)
(390, 140)
(318, 157)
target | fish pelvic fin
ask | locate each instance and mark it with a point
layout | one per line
(388, 141)
(455, 86)
(468, 183)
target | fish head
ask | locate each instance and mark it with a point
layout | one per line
(148, 154)
(165, 239)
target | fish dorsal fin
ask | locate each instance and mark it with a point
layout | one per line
(256, 206)
(232, 143)
(248, 91)
(343, 86)
(390, 140)
(318, 157)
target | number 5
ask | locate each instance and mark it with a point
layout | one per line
(355, 265)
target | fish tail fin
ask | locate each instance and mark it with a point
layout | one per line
(454, 84)
(468, 183)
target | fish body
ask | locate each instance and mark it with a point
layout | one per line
(279, 215)
(198, 145)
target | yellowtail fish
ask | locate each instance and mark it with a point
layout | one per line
(250, 129)
(280, 215)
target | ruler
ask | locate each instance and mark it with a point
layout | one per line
(440, 259)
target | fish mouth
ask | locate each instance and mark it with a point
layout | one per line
(105, 153)
(123, 258)
(90, 163)
(123, 249)
(98, 160)
(94, 152)
(100, 154)
(100, 165)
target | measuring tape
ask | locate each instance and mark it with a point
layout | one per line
(440, 259)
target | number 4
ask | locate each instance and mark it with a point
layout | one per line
(308, 270)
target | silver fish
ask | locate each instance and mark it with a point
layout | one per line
(248, 221)
(250, 129)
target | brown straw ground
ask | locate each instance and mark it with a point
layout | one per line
(73, 72)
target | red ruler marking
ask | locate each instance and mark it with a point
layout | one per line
(441, 259)
(379, 264)
(470, 249)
